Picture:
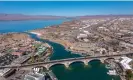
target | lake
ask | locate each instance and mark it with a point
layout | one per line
(76, 71)
(21, 26)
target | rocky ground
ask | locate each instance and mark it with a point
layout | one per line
(14, 41)
(102, 36)
(18, 46)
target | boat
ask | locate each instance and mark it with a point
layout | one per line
(112, 72)
(108, 66)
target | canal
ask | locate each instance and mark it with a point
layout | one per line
(95, 70)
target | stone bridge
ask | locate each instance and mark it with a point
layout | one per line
(68, 62)
(65, 62)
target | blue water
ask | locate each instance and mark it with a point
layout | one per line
(59, 51)
(21, 26)
(77, 71)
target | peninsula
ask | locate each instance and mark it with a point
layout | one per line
(93, 36)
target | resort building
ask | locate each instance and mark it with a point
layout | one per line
(41, 50)
(125, 63)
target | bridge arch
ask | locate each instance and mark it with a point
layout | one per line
(52, 65)
(96, 59)
(110, 58)
(76, 62)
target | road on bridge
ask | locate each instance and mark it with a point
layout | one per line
(63, 60)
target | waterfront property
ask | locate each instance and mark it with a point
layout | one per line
(39, 73)
(41, 50)
(34, 76)
(125, 63)
(68, 62)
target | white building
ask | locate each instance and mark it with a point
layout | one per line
(112, 72)
(82, 36)
(34, 76)
(125, 62)
(86, 32)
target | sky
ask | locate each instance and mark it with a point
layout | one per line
(66, 8)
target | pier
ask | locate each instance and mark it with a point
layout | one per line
(52, 76)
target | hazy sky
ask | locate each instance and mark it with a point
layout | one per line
(66, 8)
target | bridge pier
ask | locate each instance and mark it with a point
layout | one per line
(102, 60)
(67, 64)
(85, 62)
(47, 66)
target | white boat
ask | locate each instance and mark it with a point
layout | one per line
(112, 72)
(108, 66)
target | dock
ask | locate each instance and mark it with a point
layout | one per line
(52, 76)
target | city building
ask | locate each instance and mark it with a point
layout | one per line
(41, 50)
(7, 72)
(34, 76)
(125, 63)
(82, 36)
(22, 59)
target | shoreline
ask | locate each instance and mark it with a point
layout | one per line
(58, 42)
(66, 47)
(36, 33)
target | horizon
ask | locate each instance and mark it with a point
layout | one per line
(67, 8)
(68, 16)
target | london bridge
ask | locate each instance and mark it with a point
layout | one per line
(66, 62)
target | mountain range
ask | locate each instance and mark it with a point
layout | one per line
(28, 17)
(12, 17)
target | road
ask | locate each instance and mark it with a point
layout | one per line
(64, 60)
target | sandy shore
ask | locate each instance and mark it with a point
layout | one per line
(38, 34)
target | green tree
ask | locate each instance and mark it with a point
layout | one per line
(129, 74)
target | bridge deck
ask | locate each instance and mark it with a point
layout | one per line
(63, 60)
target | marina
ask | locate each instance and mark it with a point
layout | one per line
(112, 72)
